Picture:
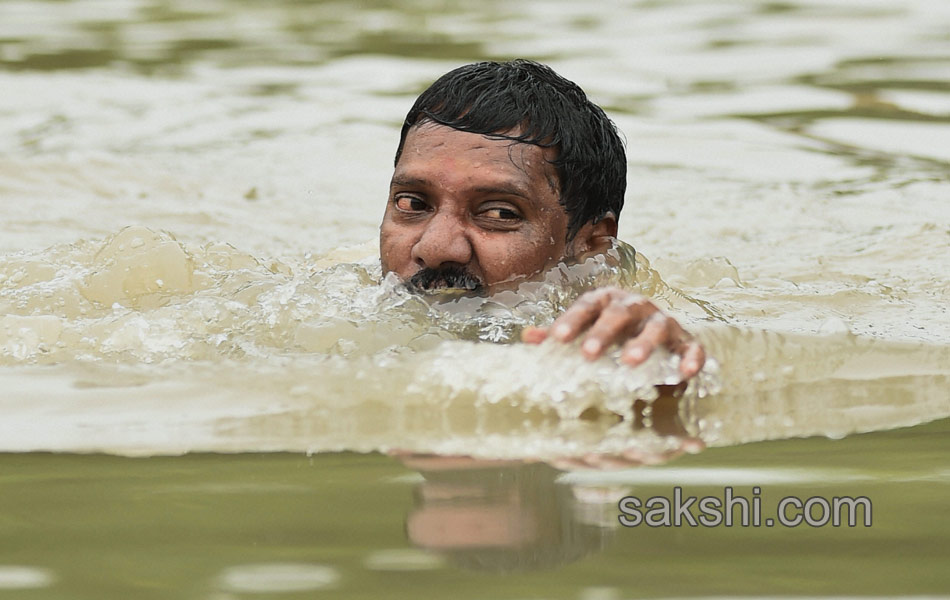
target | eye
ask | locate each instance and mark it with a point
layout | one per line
(502, 213)
(410, 204)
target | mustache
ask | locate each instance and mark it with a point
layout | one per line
(429, 279)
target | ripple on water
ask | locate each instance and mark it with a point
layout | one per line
(17, 577)
(277, 577)
(142, 296)
(402, 559)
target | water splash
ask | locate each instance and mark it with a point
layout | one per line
(141, 304)
(159, 346)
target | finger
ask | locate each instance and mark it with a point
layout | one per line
(580, 315)
(534, 335)
(656, 332)
(616, 322)
(692, 358)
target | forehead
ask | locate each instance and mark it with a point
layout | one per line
(438, 147)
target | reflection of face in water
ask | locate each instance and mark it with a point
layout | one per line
(500, 516)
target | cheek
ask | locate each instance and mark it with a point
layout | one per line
(395, 248)
(508, 257)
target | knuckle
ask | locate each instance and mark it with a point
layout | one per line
(614, 294)
(617, 307)
(631, 300)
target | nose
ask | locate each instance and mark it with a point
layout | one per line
(443, 241)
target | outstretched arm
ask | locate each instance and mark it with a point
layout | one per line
(612, 315)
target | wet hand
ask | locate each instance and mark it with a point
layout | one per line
(613, 315)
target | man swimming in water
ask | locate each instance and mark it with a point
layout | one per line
(503, 170)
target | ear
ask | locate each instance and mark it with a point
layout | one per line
(594, 238)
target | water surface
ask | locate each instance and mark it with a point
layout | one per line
(190, 195)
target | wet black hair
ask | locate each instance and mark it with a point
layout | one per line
(545, 109)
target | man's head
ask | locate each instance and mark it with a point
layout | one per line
(503, 169)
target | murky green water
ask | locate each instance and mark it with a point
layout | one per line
(335, 525)
(189, 198)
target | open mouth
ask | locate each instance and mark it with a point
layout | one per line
(447, 280)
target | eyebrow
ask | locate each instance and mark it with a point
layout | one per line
(508, 189)
(502, 188)
(408, 181)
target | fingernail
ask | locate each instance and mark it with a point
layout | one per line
(562, 331)
(591, 346)
(636, 354)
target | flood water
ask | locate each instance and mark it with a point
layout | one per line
(209, 390)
